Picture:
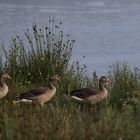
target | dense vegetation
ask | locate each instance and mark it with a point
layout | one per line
(47, 51)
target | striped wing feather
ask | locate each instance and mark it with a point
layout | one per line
(84, 92)
(33, 93)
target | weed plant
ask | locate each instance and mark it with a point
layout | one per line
(126, 86)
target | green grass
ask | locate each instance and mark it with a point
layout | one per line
(47, 51)
(67, 122)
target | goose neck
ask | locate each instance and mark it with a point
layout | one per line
(2, 81)
(51, 84)
(101, 85)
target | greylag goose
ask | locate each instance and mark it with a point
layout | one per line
(39, 95)
(3, 86)
(91, 95)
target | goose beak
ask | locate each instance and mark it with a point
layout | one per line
(8, 77)
(58, 77)
(109, 81)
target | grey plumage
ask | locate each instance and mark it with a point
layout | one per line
(31, 94)
(40, 94)
(91, 95)
(84, 92)
(3, 86)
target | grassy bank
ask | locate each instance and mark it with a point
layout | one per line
(47, 51)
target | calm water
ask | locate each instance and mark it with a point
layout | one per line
(105, 31)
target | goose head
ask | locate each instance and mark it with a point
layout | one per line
(105, 80)
(6, 76)
(55, 78)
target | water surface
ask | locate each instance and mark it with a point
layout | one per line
(106, 32)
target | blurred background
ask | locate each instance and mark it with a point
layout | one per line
(105, 31)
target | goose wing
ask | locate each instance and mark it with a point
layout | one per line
(84, 92)
(33, 93)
